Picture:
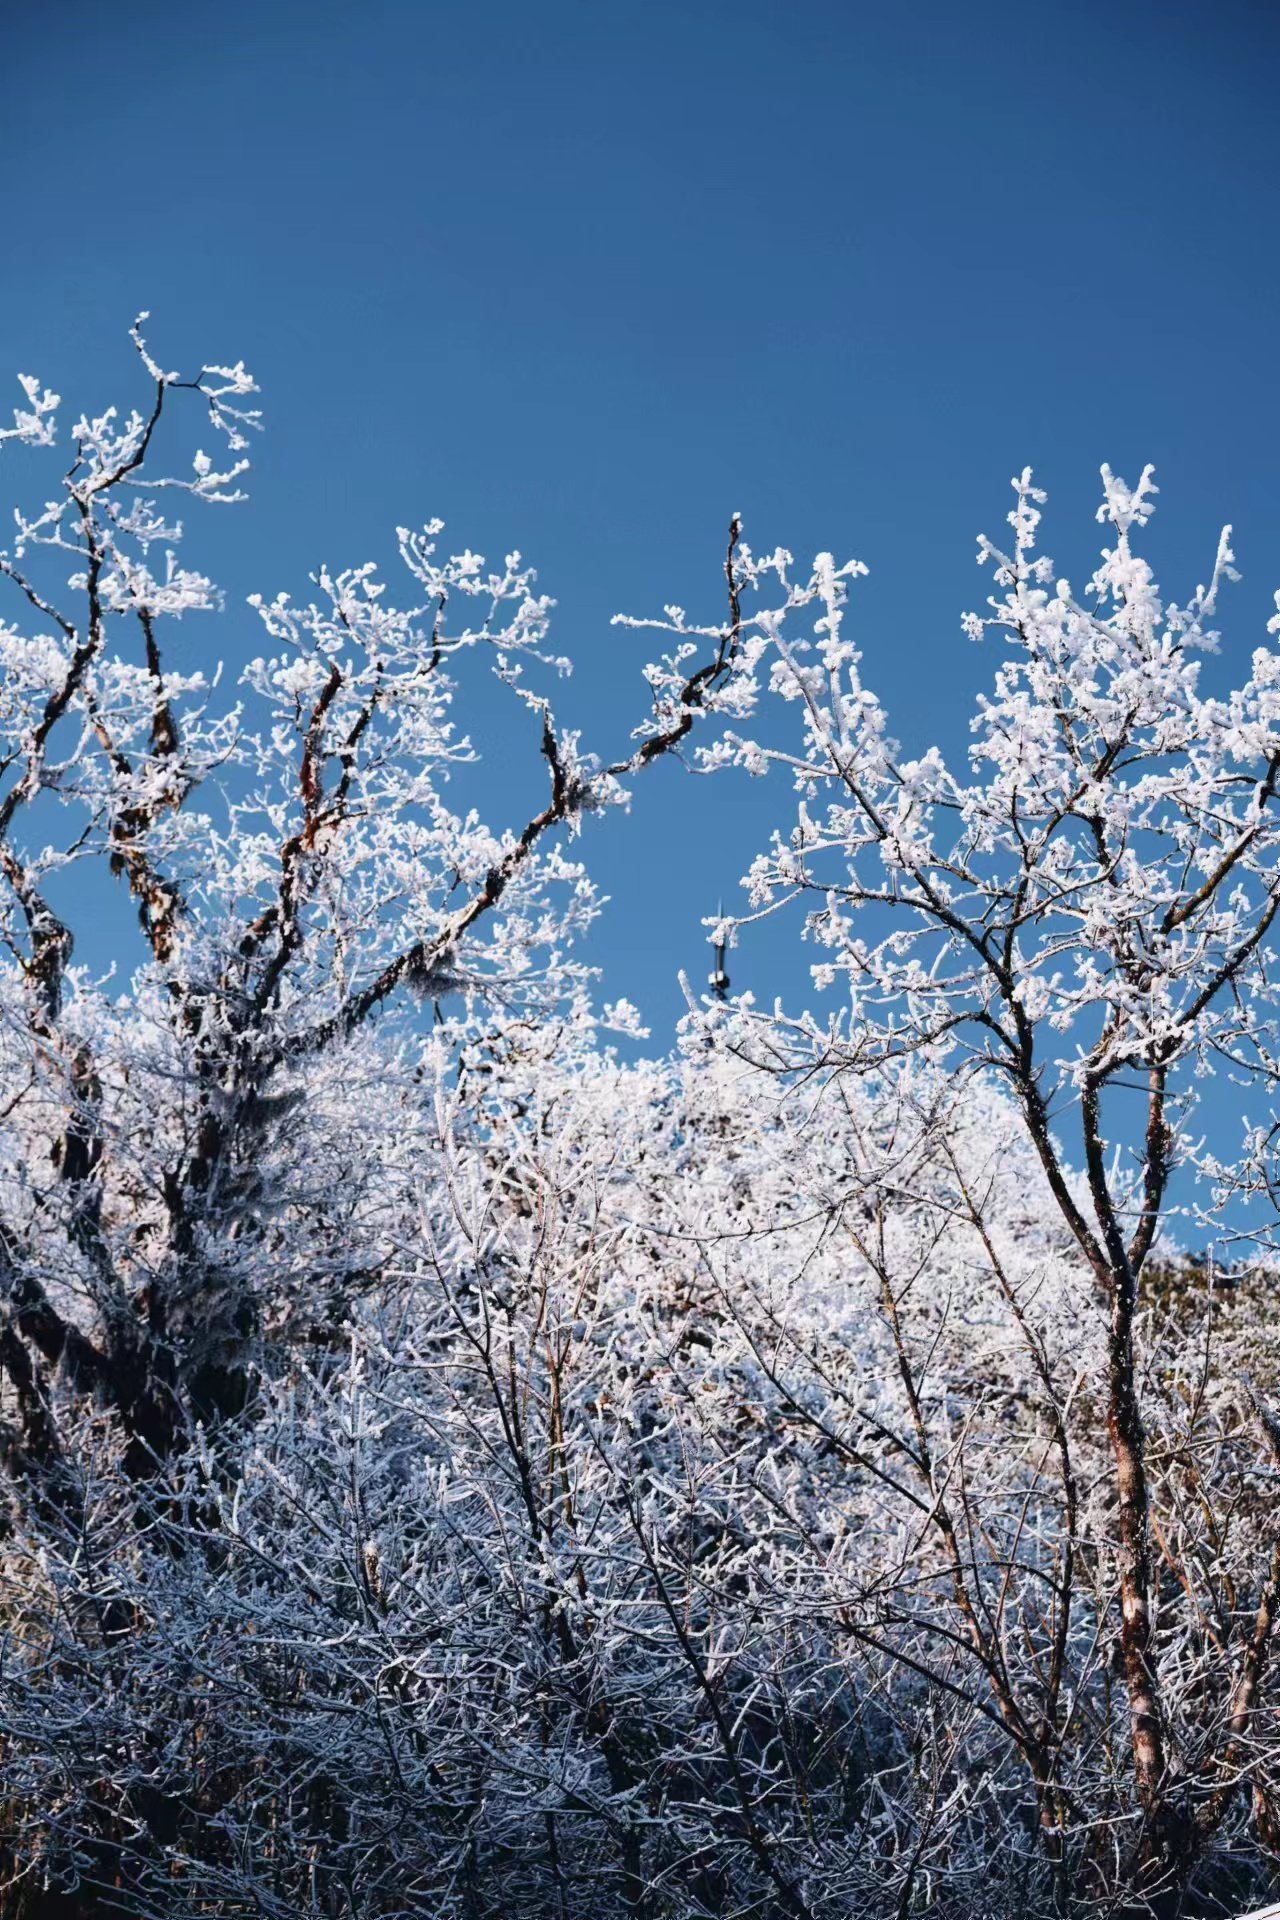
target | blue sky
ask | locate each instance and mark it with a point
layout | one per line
(584, 279)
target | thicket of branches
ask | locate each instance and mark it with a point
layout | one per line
(451, 1470)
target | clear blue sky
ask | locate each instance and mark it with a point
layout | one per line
(583, 279)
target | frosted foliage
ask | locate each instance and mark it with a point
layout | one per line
(450, 1466)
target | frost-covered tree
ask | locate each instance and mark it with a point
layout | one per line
(451, 1470)
(1087, 906)
(295, 867)
(207, 1153)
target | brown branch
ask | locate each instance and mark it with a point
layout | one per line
(568, 795)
